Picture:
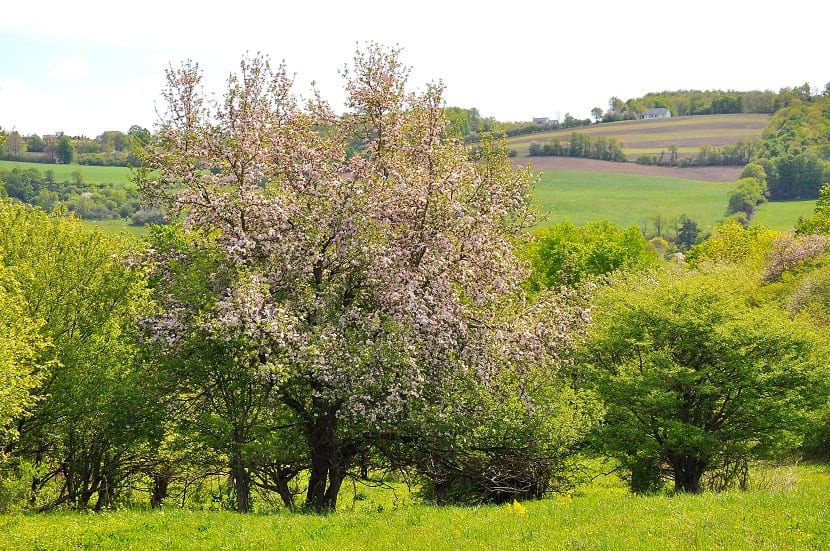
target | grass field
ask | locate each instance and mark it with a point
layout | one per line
(117, 226)
(640, 137)
(91, 174)
(788, 509)
(628, 199)
(632, 199)
(782, 215)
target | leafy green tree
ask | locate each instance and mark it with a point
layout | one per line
(21, 349)
(139, 133)
(65, 151)
(35, 143)
(755, 170)
(14, 146)
(94, 408)
(596, 112)
(734, 243)
(695, 377)
(564, 254)
(746, 196)
(687, 232)
(819, 221)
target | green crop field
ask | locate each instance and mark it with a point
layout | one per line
(785, 508)
(783, 215)
(640, 137)
(632, 199)
(628, 199)
(91, 174)
(117, 226)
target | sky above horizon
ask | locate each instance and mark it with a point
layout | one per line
(88, 66)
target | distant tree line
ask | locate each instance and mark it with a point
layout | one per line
(710, 102)
(581, 145)
(737, 154)
(111, 148)
(88, 201)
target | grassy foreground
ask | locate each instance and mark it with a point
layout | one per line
(789, 509)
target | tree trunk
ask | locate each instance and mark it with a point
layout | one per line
(329, 462)
(688, 472)
(161, 483)
(241, 483)
(285, 492)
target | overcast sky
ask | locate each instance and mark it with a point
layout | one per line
(84, 67)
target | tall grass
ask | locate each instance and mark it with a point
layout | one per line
(788, 509)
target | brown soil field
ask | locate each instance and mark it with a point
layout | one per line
(702, 173)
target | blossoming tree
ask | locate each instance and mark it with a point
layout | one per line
(365, 260)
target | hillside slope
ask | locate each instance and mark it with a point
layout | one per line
(651, 137)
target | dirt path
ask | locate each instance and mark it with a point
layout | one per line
(702, 173)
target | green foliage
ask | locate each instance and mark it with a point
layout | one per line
(698, 102)
(65, 151)
(797, 148)
(90, 201)
(755, 170)
(695, 378)
(734, 243)
(21, 349)
(565, 254)
(514, 438)
(746, 196)
(93, 406)
(797, 176)
(819, 221)
(581, 145)
(688, 232)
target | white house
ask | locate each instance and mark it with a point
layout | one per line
(656, 113)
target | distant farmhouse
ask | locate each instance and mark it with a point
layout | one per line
(541, 120)
(656, 113)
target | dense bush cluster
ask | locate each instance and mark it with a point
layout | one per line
(88, 201)
(581, 145)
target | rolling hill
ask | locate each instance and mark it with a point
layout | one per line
(651, 137)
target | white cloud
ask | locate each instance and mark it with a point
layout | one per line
(69, 67)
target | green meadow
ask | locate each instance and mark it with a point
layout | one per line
(782, 215)
(631, 199)
(787, 508)
(628, 199)
(63, 173)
